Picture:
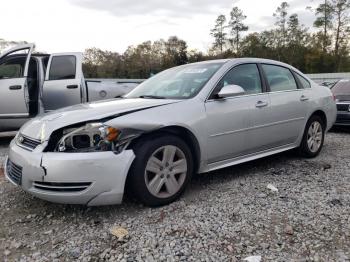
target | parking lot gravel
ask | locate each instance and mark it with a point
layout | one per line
(226, 215)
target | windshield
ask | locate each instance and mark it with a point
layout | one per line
(177, 83)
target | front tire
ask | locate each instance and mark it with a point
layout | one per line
(313, 137)
(161, 170)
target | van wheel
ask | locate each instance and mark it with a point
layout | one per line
(313, 137)
(162, 169)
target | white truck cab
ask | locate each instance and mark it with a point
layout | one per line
(32, 84)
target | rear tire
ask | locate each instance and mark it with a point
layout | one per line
(162, 169)
(313, 138)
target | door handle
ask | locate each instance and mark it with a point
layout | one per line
(261, 104)
(72, 86)
(15, 87)
(304, 98)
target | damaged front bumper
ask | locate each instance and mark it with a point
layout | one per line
(91, 179)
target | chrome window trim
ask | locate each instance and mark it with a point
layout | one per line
(263, 93)
(235, 97)
(286, 91)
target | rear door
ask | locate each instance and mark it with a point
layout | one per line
(289, 106)
(63, 81)
(14, 97)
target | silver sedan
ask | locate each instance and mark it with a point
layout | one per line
(190, 119)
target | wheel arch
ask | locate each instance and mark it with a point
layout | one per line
(181, 132)
(322, 115)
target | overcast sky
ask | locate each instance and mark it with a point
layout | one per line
(73, 25)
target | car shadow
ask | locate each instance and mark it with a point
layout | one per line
(269, 164)
(5, 141)
(340, 129)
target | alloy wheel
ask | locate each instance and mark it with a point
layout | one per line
(166, 171)
(314, 136)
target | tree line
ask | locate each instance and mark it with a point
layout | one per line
(324, 48)
(320, 49)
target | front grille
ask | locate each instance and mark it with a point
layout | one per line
(62, 187)
(14, 172)
(343, 107)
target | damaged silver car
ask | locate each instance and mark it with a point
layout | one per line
(190, 119)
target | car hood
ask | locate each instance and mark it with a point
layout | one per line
(42, 127)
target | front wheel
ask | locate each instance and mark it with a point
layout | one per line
(313, 137)
(161, 170)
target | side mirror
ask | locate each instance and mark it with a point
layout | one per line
(231, 90)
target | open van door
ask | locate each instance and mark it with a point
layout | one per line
(14, 96)
(63, 85)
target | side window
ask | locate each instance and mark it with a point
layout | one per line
(279, 78)
(304, 83)
(62, 67)
(247, 76)
(12, 68)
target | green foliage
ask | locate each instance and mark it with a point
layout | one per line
(141, 61)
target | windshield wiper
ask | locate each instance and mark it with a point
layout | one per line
(151, 96)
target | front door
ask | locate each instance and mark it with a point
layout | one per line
(231, 121)
(63, 81)
(14, 97)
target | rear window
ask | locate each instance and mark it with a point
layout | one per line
(279, 78)
(303, 81)
(62, 67)
(341, 88)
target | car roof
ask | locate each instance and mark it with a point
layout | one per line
(246, 60)
(250, 60)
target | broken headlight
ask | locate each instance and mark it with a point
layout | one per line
(91, 137)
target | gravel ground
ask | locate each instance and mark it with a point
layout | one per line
(225, 215)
